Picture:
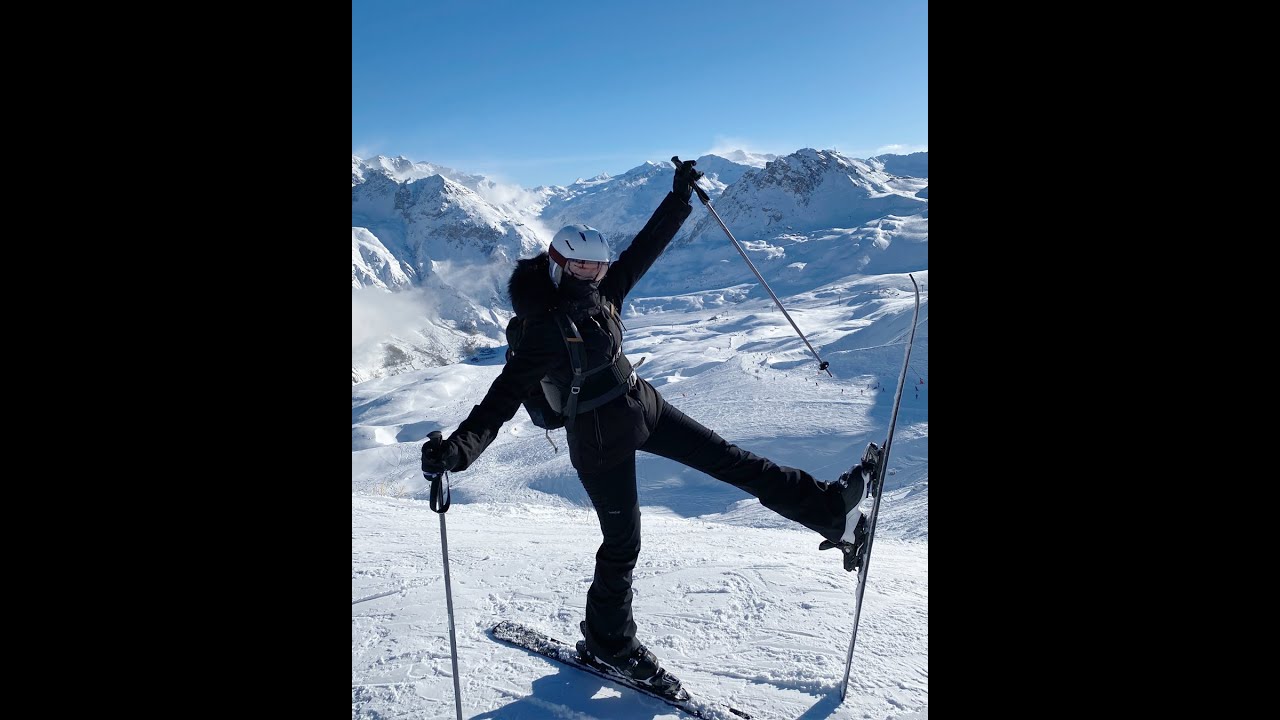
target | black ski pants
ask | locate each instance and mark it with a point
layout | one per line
(787, 491)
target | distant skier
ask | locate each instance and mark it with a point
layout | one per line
(618, 413)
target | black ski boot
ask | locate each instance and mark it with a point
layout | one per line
(856, 484)
(853, 551)
(639, 665)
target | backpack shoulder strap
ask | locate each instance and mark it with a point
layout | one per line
(573, 342)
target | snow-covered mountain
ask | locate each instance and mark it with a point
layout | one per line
(373, 265)
(913, 165)
(510, 199)
(810, 190)
(402, 169)
(434, 230)
(620, 205)
(441, 237)
(808, 218)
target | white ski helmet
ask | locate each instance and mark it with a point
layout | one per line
(576, 242)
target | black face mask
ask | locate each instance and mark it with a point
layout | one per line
(578, 296)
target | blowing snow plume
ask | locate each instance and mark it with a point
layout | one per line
(388, 330)
(392, 333)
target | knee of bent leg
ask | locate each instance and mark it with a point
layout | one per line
(621, 528)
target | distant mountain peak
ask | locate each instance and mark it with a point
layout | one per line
(820, 155)
(914, 165)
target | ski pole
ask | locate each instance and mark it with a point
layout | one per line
(706, 200)
(440, 501)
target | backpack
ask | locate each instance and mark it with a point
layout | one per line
(535, 402)
(541, 411)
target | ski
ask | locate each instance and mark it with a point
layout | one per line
(549, 647)
(861, 559)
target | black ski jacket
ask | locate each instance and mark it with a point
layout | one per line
(598, 438)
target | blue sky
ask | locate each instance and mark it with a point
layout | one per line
(546, 92)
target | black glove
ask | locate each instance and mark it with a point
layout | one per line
(439, 456)
(686, 176)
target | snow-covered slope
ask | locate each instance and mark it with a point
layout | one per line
(736, 601)
(913, 165)
(373, 265)
(752, 616)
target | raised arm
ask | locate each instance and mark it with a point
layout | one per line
(649, 243)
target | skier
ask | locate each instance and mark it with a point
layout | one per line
(617, 413)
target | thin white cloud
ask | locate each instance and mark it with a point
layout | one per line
(560, 159)
(725, 144)
(364, 151)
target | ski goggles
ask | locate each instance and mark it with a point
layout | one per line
(589, 270)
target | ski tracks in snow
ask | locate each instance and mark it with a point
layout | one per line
(755, 617)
